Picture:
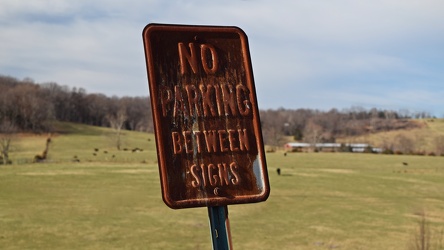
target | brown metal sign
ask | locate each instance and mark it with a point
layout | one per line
(208, 134)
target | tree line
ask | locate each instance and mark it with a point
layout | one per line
(315, 126)
(28, 106)
(33, 107)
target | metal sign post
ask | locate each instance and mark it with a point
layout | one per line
(206, 120)
(220, 228)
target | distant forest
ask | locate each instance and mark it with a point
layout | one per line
(32, 107)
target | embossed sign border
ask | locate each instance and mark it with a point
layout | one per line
(206, 120)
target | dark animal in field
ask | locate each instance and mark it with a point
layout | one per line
(42, 157)
(96, 149)
(137, 150)
(405, 163)
(278, 171)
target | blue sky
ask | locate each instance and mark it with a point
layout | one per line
(321, 54)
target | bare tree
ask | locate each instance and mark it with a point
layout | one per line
(313, 133)
(116, 121)
(7, 132)
(404, 144)
(439, 145)
(273, 137)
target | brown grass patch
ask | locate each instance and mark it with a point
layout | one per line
(54, 173)
(134, 171)
(337, 171)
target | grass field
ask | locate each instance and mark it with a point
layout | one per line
(320, 201)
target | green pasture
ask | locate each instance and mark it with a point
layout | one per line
(320, 200)
(83, 143)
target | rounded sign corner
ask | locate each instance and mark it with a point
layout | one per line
(265, 194)
(240, 32)
(149, 28)
(170, 203)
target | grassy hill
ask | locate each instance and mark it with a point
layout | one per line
(320, 201)
(79, 142)
(423, 139)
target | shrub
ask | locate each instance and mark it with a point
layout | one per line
(388, 152)
(369, 150)
(346, 149)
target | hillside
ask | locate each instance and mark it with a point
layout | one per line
(33, 107)
(72, 142)
(427, 138)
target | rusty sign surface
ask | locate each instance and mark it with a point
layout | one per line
(208, 135)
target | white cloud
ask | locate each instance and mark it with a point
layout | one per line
(318, 53)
